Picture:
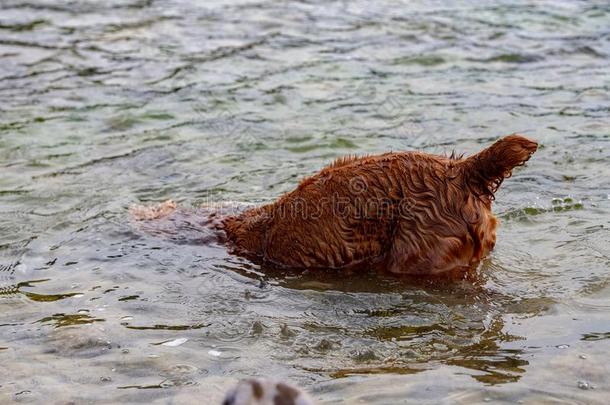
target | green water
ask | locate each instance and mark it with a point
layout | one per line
(105, 104)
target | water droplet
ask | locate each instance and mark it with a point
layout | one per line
(583, 356)
(583, 385)
(562, 346)
(214, 353)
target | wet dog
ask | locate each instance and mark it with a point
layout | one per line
(406, 212)
(260, 391)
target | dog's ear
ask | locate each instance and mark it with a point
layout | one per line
(486, 170)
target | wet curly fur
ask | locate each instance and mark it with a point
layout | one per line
(410, 212)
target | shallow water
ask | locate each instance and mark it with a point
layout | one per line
(105, 104)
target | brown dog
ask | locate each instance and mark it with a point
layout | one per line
(407, 212)
(412, 212)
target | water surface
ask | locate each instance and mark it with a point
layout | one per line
(105, 104)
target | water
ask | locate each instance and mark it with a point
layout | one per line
(105, 104)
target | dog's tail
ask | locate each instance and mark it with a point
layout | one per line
(485, 171)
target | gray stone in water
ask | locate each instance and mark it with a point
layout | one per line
(81, 341)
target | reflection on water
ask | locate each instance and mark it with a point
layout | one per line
(411, 325)
(106, 104)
